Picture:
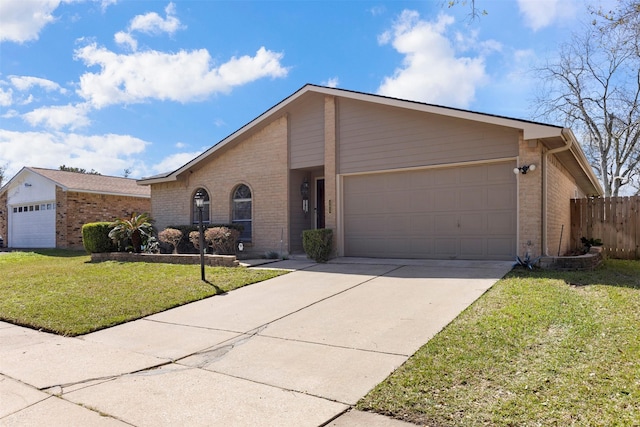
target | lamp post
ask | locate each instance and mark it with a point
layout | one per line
(199, 198)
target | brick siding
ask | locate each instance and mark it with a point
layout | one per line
(4, 219)
(530, 200)
(74, 209)
(561, 188)
(259, 161)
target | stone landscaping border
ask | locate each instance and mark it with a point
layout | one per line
(210, 260)
(588, 261)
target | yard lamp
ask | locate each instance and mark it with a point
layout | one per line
(199, 198)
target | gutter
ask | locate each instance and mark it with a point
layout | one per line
(567, 146)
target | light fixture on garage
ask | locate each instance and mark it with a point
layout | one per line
(524, 169)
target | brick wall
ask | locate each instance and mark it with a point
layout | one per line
(4, 218)
(259, 161)
(561, 188)
(74, 209)
(530, 200)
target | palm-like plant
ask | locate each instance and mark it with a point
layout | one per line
(136, 228)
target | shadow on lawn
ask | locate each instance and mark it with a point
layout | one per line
(60, 253)
(621, 273)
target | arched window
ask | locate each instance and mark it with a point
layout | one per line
(242, 210)
(205, 210)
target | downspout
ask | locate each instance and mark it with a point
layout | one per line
(568, 144)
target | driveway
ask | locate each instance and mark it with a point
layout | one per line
(297, 350)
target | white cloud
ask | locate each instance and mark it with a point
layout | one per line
(24, 83)
(431, 70)
(538, 14)
(22, 20)
(332, 82)
(182, 76)
(152, 23)
(59, 116)
(108, 154)
(126, 39)
(174, 161)
(6, 97)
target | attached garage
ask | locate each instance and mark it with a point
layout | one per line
(441, 213)
(33, 225)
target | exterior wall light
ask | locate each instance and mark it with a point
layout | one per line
(304, 192)
(524, 169)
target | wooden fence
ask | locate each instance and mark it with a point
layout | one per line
(614, 220)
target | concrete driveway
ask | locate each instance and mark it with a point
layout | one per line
(297, 350)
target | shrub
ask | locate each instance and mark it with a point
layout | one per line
(172, 237)
(318, 244)
(134, 231)
(95, 237)
(186, 245)
(194, 238)
(222, 239)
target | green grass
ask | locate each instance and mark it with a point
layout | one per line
(533, 351)
(65, 293)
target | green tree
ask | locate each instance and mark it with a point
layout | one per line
(135, 230)
(78, 170)
(593, 86)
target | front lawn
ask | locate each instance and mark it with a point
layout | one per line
(533, 351)
(65, 293)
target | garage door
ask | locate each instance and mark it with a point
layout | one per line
(33, 226)
(451, 213)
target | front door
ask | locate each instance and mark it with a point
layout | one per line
(320, 203)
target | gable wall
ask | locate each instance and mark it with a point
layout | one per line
(419, 139)
(306, 123)
(261, 162)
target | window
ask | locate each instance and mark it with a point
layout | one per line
(205, 210)
(242, 211)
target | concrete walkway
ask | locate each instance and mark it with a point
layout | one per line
(297, 350)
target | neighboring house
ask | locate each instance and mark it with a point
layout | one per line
(44, 208)
(392, 178)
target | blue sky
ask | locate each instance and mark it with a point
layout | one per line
(148, 85)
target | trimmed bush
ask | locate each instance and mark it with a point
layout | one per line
(95, 237)
(318, 244)
(172, 237)
(186, 246)
(222, 239)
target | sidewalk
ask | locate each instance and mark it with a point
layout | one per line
(299, 350)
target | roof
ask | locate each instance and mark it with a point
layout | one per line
(90, 183)
(555, 136)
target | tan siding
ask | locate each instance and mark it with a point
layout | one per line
(259, 161)
(307, 133)
(418, 139)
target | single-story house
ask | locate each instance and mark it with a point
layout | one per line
(45, 208)
(393, 178)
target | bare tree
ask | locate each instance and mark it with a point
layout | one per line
(594, 87)
(3, 170)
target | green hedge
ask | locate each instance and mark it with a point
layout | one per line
(95, 237)
(318, 244)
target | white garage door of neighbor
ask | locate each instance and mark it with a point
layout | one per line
(452, 213)
(31, 228)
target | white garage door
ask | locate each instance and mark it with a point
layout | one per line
(33, 226)
(452, 213)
